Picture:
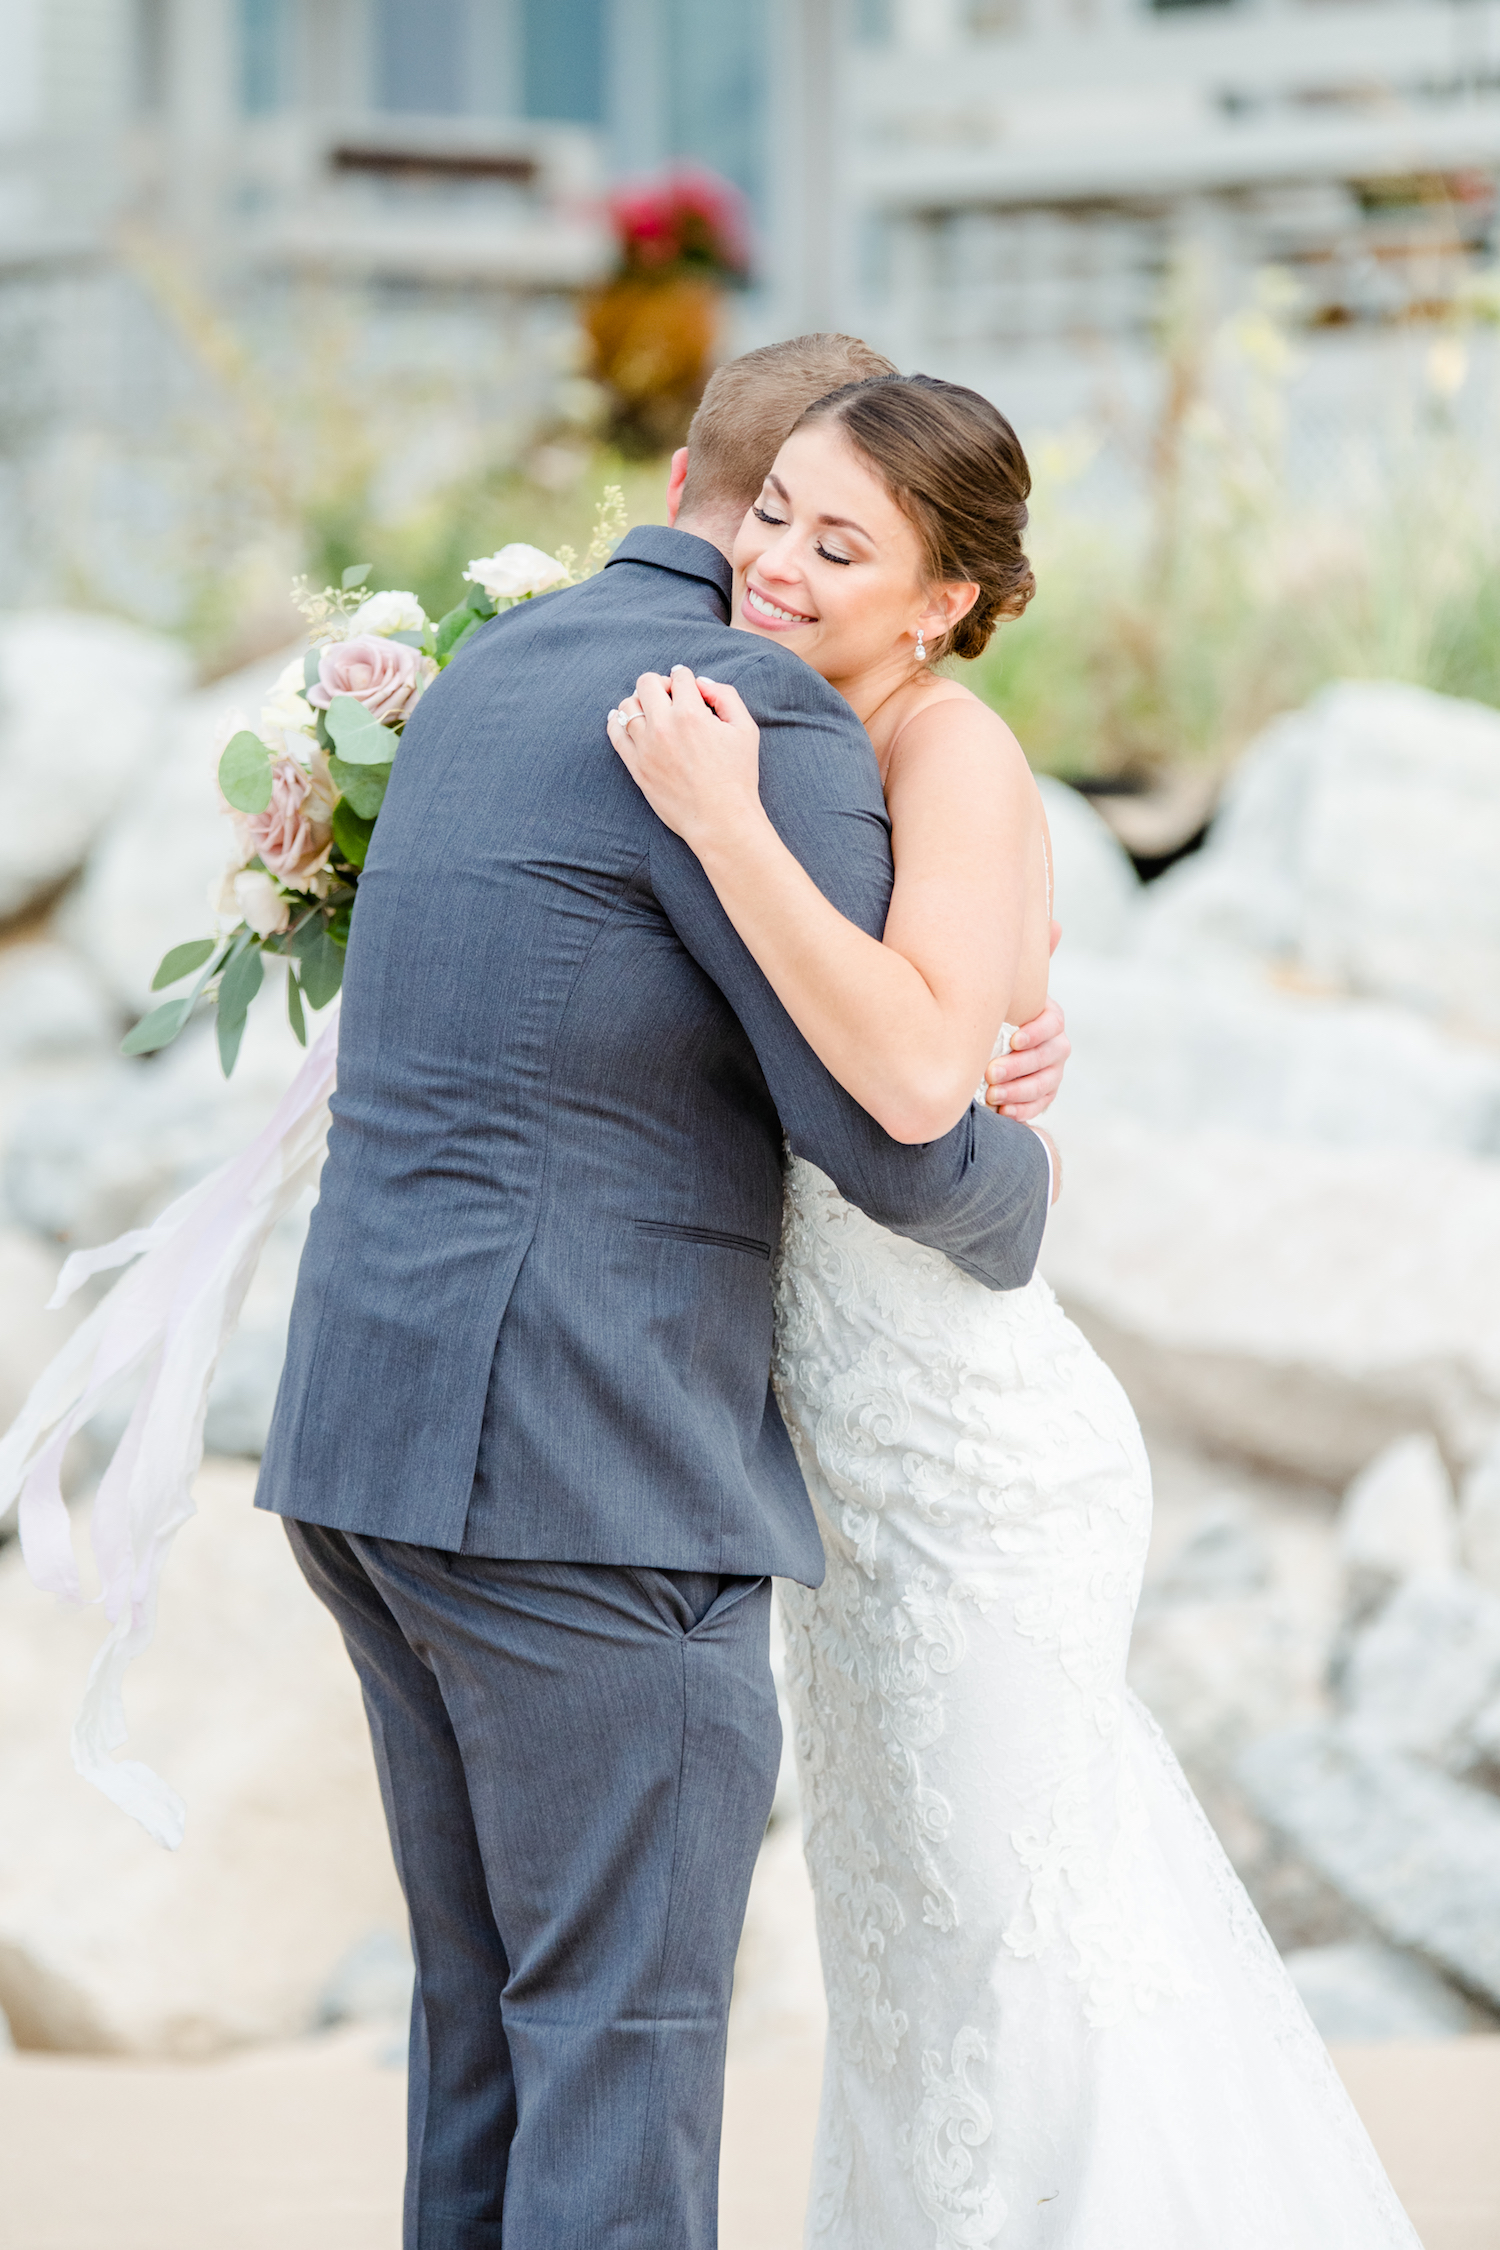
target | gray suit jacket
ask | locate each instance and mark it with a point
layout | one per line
(533, 1317)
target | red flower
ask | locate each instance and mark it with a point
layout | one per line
(688, 219)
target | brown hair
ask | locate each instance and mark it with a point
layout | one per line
(955, 468)
(751, 406)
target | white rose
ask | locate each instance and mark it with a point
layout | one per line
(287, 713)
(391, 612)
(261, 903)
(517, 571)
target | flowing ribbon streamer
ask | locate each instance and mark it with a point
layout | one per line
(170, 1317)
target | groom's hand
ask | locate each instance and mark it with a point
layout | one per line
(1024, 1083)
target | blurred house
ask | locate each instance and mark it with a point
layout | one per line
(400, 197)
(1018, 170)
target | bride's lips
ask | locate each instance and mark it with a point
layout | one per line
(772, 616)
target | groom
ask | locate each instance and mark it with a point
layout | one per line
(524, 1439)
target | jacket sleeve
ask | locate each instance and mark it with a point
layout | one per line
(980, 1194)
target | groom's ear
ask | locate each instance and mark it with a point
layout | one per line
(676, 479)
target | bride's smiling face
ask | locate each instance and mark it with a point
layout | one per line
(827, 562)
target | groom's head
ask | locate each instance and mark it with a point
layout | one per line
(749, 408)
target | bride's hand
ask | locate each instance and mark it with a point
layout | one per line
(694, 752)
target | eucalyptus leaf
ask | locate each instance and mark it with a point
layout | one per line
(311, 663)
(359, 739)
(245, 772)
(467, 628)
(361, 787)
(354, 576)
(160, 1028)
(412, 640)
(181, 962)
(239, 985)
(322, 970)
(350, 833)
(482, 603)
(231, 1030)
(450, 628)
(294, 1013)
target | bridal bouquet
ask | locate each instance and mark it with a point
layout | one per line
(305, 785)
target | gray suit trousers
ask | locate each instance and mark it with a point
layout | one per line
(577, 1763)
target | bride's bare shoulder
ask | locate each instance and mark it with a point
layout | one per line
(941, 721)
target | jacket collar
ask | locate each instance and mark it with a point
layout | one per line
(682, 551)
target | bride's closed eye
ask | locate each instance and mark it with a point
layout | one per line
(763, 515)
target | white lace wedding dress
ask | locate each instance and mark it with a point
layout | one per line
(1054, 2017)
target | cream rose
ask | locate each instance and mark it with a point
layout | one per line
(515, 572)
(390, 612)
(260, 903)
(385, 676)
(294, 834)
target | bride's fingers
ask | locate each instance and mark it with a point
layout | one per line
(725, 701)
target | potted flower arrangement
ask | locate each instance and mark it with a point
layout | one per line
(683, 239)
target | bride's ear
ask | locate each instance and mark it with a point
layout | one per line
(947, 602)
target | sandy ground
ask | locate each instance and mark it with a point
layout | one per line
(299, 2148)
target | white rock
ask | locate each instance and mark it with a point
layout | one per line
(1299, 1305)
(52, 1005)
(1479, 1516)
(1096, 893)
(28, 1276)
(372, 1984)
(84, 705)
(1359, 840)
(1366, 1991)
(146, 887)
(1427, 1668)
(1218, 1047)
(85, 1158)
(248, 1704)
(1398, 1519)
(1418, 1851)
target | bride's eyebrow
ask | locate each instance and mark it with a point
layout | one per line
(834, 523)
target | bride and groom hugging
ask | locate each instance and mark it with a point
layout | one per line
(663, 1248)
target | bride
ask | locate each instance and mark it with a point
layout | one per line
(1054, 2018)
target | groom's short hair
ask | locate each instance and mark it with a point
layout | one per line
(751, 406)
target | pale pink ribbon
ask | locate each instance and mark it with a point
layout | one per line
(169, 1317)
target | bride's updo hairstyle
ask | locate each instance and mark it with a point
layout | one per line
(954, 467)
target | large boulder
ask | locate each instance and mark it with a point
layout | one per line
(248, 1705)
(28, 1276)
(1300, 1305)
(88, 1155)
(1358, 844)
(1096, 893)
(85, 705)
(147, 886)
(1416, 1850)
(1217, 1045)
(1397, 1522)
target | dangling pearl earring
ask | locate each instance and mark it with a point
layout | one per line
(921, 647)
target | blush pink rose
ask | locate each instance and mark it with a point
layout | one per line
(382, 675)
(293, 835)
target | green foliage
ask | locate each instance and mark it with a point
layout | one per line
(351, 834)
(160, 1028)
(181, 962)
(245, 773)
(320, 961)
(363, 787)
(237, 988)
(453, 630)
(1177, 631)
(295, 1017)
(359, 737)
